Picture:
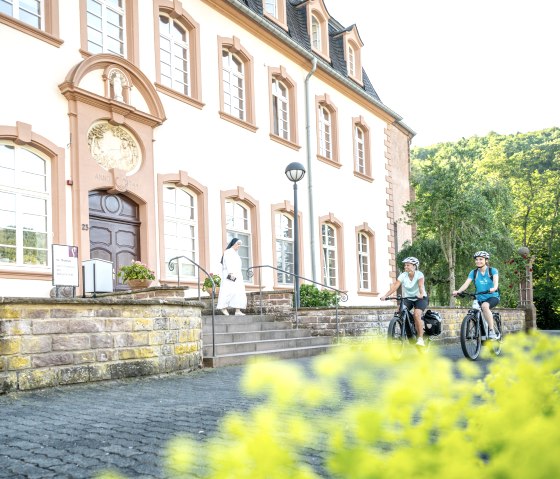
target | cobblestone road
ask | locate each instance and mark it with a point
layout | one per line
(76, 431)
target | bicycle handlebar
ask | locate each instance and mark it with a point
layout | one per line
(472, 295)
(399, 298)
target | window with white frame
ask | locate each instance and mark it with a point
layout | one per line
(325, 132)
(238, 225)
(284, 225)
(106, 26)
(233, 84)
(330, 269)
(25, 207)
(30, 12)
(271, 7)
(351, 62)
(315, 33)
(174, 55)
(364, 261)
(280, 109)
(359, 150)
(180, 227)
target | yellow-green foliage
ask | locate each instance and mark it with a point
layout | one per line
(370, 417)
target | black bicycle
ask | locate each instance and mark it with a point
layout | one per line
(474, 330)
(402, 330)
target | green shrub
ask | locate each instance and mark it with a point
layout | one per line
(310, 296)
(428, 418)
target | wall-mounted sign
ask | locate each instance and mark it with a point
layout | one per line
(65, 265)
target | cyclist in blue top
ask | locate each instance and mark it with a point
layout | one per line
(412, 282)
(485, 278)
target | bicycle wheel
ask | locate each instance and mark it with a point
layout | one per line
(497, 345)
(395, 338)
(471, 343)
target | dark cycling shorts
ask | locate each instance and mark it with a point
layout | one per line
(492, 301)
(420, 303)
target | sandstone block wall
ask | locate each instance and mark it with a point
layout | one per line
(354, 321)
(45, 343)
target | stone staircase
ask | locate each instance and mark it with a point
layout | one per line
(240, 338)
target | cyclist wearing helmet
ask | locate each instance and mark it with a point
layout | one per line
(412, 282)
(485, 278)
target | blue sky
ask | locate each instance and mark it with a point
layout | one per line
(456, 68)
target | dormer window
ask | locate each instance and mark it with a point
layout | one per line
(315, 33)
(271, 8)
(352, 54)
(351, 62)
(275, 10)
(318, 27)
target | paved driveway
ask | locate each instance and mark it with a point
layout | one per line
(75, 431)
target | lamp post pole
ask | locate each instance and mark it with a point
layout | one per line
(295, 172)
(296, 248)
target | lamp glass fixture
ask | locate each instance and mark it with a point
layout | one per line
(295, 171)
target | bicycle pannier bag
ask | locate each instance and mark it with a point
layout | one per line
(432, 320)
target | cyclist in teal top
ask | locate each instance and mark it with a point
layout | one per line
(485, 278)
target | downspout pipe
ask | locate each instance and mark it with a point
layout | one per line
(309, 170)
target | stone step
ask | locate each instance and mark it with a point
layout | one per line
(261, 335)
(266, 345)
(239, 338)
(242, 358)
(233, 327)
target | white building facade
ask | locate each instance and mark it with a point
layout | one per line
(148, 130)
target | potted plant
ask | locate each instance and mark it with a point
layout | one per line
(207, 285)
(136, 274)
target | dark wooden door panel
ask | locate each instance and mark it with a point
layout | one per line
(114, 230)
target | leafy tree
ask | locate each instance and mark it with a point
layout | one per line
(457, 206)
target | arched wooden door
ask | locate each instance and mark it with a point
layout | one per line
(114, 230)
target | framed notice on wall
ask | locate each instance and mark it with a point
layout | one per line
(65, 265)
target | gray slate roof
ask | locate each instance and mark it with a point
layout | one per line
(297, 31)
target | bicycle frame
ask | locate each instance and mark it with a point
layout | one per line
(403, 319)
(475, 330)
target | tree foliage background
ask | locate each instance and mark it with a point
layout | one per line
(494, 193)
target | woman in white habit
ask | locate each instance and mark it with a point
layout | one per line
(232, 288)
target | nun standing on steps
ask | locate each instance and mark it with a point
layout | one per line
(232, 289)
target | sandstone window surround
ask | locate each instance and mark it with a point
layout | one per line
(366, 260)
(236, 80)
(178, 56)
(332, 246)
(283, 108)
(41, 22)
(189, 216)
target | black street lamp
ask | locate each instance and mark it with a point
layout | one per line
(295, 172)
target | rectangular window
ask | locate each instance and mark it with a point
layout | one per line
(180, 228)
(30, 12)
(325, 141)
(359, 150)
(24, 207)
(363, 257)
(238, 226)
(329, 255)
(284, 248)
(233, 85)
(280, 109)
(106, 26)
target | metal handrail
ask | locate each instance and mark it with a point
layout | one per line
(341, 295)
(171, 267)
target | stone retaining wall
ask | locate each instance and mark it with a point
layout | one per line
(50, 342)
(355, 321)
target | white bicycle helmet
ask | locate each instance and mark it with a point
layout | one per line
(481, 254)
(412, 260)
